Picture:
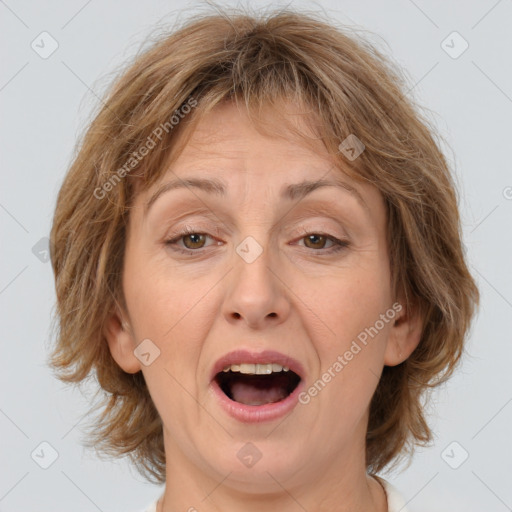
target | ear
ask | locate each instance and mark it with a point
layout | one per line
(121, 342)
(405, 333)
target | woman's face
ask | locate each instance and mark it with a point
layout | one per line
(292, 274)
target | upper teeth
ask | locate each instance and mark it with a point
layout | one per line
(256, 369)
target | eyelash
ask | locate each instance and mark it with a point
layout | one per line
(338, 246)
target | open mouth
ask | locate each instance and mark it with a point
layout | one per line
(257, 386)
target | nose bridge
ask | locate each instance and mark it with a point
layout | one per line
(255, 293)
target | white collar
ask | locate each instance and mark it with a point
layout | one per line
(396, 502)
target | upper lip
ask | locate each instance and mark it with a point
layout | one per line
(266, 356)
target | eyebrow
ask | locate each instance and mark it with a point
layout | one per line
(292, 192)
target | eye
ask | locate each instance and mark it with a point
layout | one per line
(318, 241)
(197, 240)
(191, 240)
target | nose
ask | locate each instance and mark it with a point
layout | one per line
(256, 294)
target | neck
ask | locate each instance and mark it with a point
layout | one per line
(340, 487)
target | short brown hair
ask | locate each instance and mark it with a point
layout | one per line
(259, 60)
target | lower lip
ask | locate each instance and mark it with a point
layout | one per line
(256, 413)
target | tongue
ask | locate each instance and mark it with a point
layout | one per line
(251, 394)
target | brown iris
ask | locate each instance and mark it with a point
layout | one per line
(314, 239)
(197, 240)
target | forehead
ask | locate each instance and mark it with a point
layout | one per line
(231, 129)
(227, 129)
(231, 144)
(281, 144)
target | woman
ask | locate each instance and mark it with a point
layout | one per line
(257, 250)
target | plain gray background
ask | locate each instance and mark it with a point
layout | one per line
(45, 103)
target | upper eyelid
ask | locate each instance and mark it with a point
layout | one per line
(325, 210)
(302, 218)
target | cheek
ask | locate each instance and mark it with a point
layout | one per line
(344, 304)
(162, 302)
(350, 343)
(176, 313)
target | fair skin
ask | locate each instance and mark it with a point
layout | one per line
(298, 297)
